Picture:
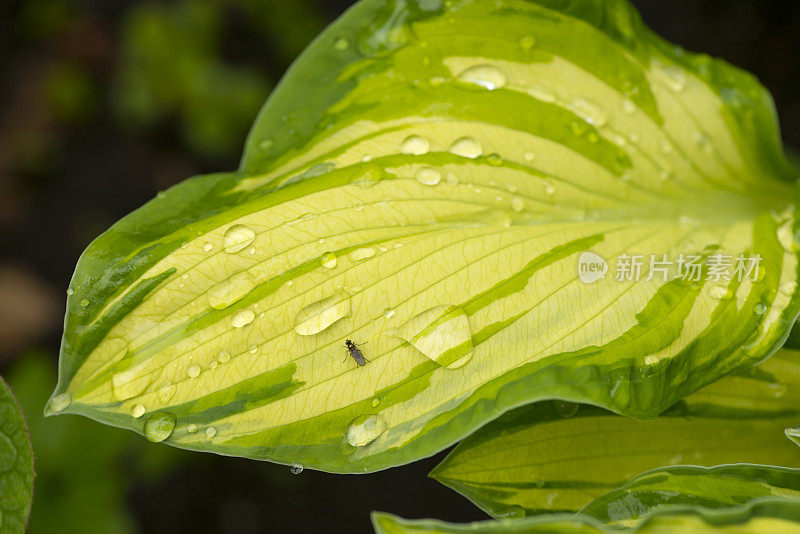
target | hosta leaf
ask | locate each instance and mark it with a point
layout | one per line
(716, 488)
(767, 516)
(558, 457)
(16, 465)
(424, 182)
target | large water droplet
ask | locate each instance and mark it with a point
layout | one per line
(225, 293)
(242, 318)
(320, 315)
(442, 334)
(60, 402)
(237, 237)
(360, 254)
(466, 147)
(211, 432)
(328, 260)
(415, 145)
(159, 427)
(428, 176)
(484, 75)
(365, 429)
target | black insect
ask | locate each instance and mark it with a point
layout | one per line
(355, 353)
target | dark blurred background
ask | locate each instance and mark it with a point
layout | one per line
(105, 102)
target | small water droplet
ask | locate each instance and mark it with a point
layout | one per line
(193, 371)
(242, 318)
(388, 313)
(442, 334)
(415, 145)
(494, 159)
(137, 410)
(211, 431)
(720, 292)
(451, 178)
(760, 308)
(365, 429)
(527, 42)
(528, 156)
(466, 147)
(207, 247)
(549, 188)
(360, 254)
(368, 176)
(296, 469)
(517, 204)
(589, 112)
(192, 428)
(428, 176)
(341, 44)
(253, 349)
(70, 291)
(788, 288)
(60, 402)
(159, 427)
(565, 408)
(328, 260)
(266, 144)
(486, 76)
(320, 315)
(224, 356)
(229, 291)
(628, 106)
(84, 303)
(674, 77)
(375, 402)
(237, 237)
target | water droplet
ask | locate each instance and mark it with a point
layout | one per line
(527, 42)
(137, 410)
(211, 431)
(674, 77)
(517, 204)
(242, 318)
(528, 156)
(466, 147)
(365, 429)
(192, 428)
(368, 175)
(650, 360)
(720, 292)
(703, 142)
(589, 112)
(360, 254)
(320, 315)
(159, 427)
(84, 303)
(494, 159)
(485, 76)
(207, 247)
(237, 237)
(628, 106)
(296, 469)
(60, 402)
(193, 371)
(549, 188)
(428, 176)
(166, 392)
(224, 356)
(565, 408)
(760, 308)
(70, 291)
(225, 293)
(253, 349)
(788, 288)
(341, 44)
(415, 145)
(442, 334)
(388, 313)
(328, 260)
(266, 144)
(375, 402)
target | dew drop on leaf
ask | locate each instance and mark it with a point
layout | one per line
(237, 237)
(362, 253)
(466, 147)
(231, 290)
(441, 333)
(137, 410)
(365, 429)
(415, 145)
(159, 427)
(242, 318)
(428, 176)
(60, 402)
(211, 432)
(328, 260)
(320, 315)
(296, 469)
(486, 76)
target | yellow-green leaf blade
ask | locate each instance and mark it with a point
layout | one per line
(425, 188)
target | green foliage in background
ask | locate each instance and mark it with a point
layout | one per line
(16, 465)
